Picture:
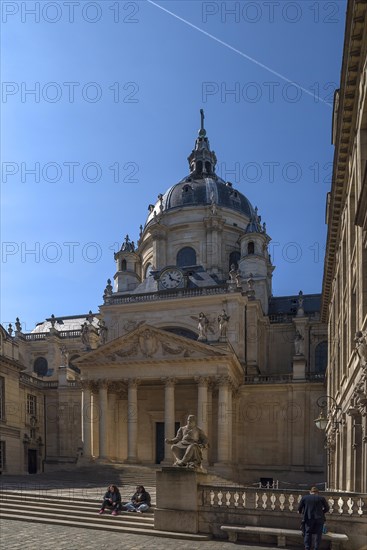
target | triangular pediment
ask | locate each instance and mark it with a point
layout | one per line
(148, 343)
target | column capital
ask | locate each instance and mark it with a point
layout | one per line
(202, 380)
(226, 380)
(103, 383)
(222, 380)
(169, 381)
(132, 382)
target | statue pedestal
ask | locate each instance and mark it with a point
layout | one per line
(299, 367)
(177, 501)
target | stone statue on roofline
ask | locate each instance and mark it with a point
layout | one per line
(202, 326)
(300, 310)
(187, 447)
(102, 331)
(85, 338)
(223, 319)
(299, 344)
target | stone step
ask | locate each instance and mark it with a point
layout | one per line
(129, 519)
(83, 514)
(8, 498)
(115, 527)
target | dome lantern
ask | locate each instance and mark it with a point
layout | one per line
(202, 160)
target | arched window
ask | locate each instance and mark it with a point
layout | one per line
(123, 265)
(199, 167)
(234, 258)
(40, 366)
(208, 167)
(251, 248)
(186, 256)
(321, 358)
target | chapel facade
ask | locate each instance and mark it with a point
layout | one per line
(189, 325)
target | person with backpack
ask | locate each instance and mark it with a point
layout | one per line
(313, 507)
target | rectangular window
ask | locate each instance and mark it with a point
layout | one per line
(2, 456)
(2, 398)
(31, 404)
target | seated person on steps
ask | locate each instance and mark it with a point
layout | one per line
(111, 499)
(140, 501)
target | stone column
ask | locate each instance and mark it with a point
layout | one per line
(116, 391)
(210, 418)
(87, 417)
(224, 424)
(230, 421)
(103, 417)
(252, 337)
(214, 227)
(169, 416)
(202, 414)
(132, 421)
(112, 424)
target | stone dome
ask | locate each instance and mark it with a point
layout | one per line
(205, 191)
(202, 187)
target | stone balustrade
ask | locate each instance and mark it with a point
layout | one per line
(278, 500)
(34, 336)
(44, 384)
(154, 296)
(269, 379)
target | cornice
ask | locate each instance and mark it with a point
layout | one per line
(344, 138)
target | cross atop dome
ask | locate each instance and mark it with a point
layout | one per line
(202, 160)
(202, 131)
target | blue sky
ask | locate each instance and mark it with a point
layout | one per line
(115, 112)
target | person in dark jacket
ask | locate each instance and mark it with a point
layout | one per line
(313, 507)
(111, 499)
(140, 501)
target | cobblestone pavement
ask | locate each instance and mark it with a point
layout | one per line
(90, 483)
(22, 535)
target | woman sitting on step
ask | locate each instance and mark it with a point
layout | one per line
(112, 499)
(140, 501)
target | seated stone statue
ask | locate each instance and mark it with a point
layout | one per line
(188, 444)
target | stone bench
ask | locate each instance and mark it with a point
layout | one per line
(281, 534)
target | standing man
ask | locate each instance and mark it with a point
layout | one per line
(313, 508)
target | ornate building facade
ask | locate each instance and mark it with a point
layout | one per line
(190, 325)
(345, 276)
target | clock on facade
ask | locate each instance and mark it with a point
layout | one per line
(171, 278)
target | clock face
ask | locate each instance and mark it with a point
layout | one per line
(171, 278)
